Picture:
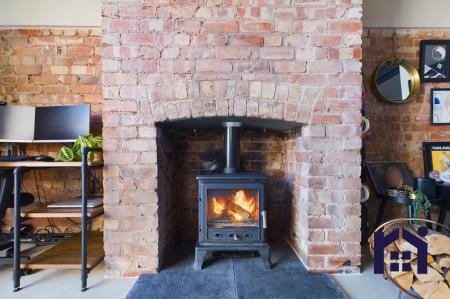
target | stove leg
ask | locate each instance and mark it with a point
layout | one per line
(200, 255)
(265, 255)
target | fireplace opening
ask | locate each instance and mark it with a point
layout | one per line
(254, 174)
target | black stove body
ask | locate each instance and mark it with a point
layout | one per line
(232, 214)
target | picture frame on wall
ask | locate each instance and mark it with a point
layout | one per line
(436, 157)
(440, 106)
(434, 61)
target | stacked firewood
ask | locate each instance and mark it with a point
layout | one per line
(435, 283)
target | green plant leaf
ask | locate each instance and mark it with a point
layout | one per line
(65, 154)
(86, 141)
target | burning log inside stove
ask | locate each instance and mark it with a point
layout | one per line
(245, 202)
(239, 207)
(237, 213)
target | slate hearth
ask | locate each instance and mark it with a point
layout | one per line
(236, 278)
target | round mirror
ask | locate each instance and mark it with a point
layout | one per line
(396, 81)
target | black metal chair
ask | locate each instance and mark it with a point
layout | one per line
(436, 193)
(378, 175)
(6, 202)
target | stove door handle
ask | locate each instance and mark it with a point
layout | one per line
(264, 220)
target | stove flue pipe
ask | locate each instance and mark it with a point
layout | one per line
(232, 146)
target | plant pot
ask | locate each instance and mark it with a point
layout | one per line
(398, 194)
(98, 157)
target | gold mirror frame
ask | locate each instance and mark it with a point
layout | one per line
(412, 72)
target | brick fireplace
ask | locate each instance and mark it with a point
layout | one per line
(296, 61)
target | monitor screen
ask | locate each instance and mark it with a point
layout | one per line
(17, 123)
(61, 122)
(43, 124)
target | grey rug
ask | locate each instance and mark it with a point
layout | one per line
(236, 278)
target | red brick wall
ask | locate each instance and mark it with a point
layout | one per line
(52, 66)
(397, 131)
(297, 61)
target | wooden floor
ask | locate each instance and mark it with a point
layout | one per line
(67, 255)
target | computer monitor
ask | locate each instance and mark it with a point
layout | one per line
(43, 124)
(17, 123)
(61, 122)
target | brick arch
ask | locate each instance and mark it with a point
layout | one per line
(268, 109)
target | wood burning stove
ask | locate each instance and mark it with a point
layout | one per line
(232, 215)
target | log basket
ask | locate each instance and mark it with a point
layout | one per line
(403, 223)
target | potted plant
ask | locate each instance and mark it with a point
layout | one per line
(73, 153)
(419, 201)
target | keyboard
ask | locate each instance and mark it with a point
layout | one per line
(16, 158)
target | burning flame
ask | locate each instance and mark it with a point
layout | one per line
(239, 207)
(218, 206)
(241, 200)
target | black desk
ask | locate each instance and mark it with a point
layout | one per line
(19, 168)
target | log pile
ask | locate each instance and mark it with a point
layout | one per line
(435, 284)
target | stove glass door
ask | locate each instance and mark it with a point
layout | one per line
(233, 207)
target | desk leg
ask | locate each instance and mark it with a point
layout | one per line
(442, 215)
(16, 263)
(410, 213)
(84, 191)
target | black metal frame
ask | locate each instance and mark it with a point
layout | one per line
(427, 151)
(241, 238)
(432, 91)
(18, 172)
(425, 43)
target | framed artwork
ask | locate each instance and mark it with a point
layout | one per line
(434, 61)
(436, 156)
(440, 106)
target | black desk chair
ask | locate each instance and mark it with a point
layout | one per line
(6, 202)
(6, 193)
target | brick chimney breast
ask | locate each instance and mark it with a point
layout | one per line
(293, 60)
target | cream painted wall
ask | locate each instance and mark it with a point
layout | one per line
(406, 13)
(377, 13)
(19, 13)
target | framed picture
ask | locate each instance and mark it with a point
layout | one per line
(434, 61)
(436, 156)
(440, 106)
